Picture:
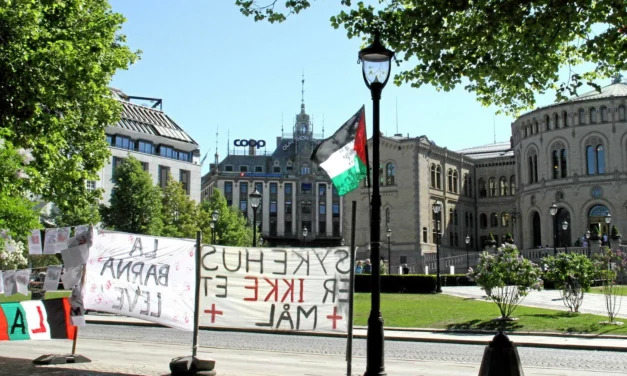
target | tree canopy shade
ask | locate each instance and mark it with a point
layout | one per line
(504, 51)
(56, 61)
(231, 229)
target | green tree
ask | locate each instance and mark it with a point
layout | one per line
(58, 58)
(232, 228)
(573, 274)
(504, 51)
(75, 216)
(135, 204)
(178, 212)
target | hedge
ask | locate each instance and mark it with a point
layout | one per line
(410, 283)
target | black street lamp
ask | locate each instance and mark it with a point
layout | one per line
(376, 67)
(565, 227)
(437, 210)
(608, 220)
(514, 215)
(588, 242)
(255, 201)
(215, 215)
(389, 234)
(305, 232)
(467, 256)
(553, 211)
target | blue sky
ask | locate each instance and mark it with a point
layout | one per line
(213, 67)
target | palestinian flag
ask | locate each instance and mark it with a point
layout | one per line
(343, 156)
(36, 320)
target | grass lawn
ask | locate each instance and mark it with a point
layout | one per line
(599, 290)
(20, 297)
(449, 312)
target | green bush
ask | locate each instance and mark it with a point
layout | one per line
(410, 283)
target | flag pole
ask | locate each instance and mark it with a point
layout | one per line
(351, 292)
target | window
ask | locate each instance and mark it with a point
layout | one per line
(184, 156)
(336, 229)
(322, 228)
(381, 176)
(306, 224)
(288, 206)
(535, 126)
(471, 193)
(403, 259)
(228, 193)
(391, 172)
(259, 187)
(288, 190)
(334, 191)
(455, 185)
(184, 178)
(273, 188)
(492, 187)
(482, 190)
(582, 116)
(604, 115)
(336, 210)
(494, 220)
(512, 185)
(532, 166)
(595, 157)
(164, 172)
(564, 119)
(593, 115)
(124, 143)
(450, 180)
(166, 151)
(90, 185)
(273, 199)
(466, 219)
(145, 166)
(258, 168)
(305, 169)
(472, 222)
(243, 198)
(450, 216)
(556, 121)
(504, 219)
(306, 207)
(465, 184)
(276, 169)
(305, 188)
(322, 209)
(621, 112)
(243, 168)
(110, 140)
(424, 234)
(228, 168)
(438, 177)
(455, 216)
(387, 217)
(433, 184)
(145, 147)
(483, 220)
(503, 186)
(243, 189)
(547, 122)
(322, 190)
(526, 131)
(288, 227)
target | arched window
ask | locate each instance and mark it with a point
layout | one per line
(381, 176)
(492, 187)
(483, 220)
(472, 222)
(526, 132)
(593, 115)
(387, 217)
(503, 186)
(621, 112)
(305, 169)
(504, 219)
(455, 185)
(604, 115)
(391, 172)
(466, 219)
(556, 121)
(424, 234)
(532, 167)
(450, 217)
(433, 185)
(564, 163)
(438, 176)
(564, 119)
(482, 189)
(582, 116)
(547, 122)
(559, 161)
(535, 126)
(465, 184)
(512, 185)
(450, 180)
(494, 220)
(595, 157)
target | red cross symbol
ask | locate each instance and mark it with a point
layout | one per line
(213, 312)
(335, 317)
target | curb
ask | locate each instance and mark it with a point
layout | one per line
(392, 337)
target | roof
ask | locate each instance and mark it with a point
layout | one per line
(142, 119)
(616, 89)
(499, 149)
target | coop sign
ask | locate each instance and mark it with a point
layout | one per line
(244, 143)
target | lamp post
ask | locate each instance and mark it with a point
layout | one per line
(305, 232)
(553, 211)
(565, 227)
(467, 256)
(215, 215)
(608, 220)
(588, 241)
(389, 234)
(514, 215)
(255, 201)
(376, 67)
(212, 224)
(342, 242)
(437, 210)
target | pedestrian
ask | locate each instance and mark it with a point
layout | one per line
(367, 267)
(405, 269)
(358, 267)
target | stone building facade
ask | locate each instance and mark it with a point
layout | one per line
(573, 154)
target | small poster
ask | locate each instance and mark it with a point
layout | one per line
(50, 242)
(63, 238)
(71, 276)
(34, 243)
(53, 274)
(22, 278)
(8, 279)
(77, 313)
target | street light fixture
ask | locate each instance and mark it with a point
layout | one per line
(389, 234)
(342, 242)
(437, 210)
(608, 220)
(514, 214)
(376, 66)
(553, 211)
(215, 215)
(255, 201)
(212, 224)
(467, 256)
(565, 227)
(588, 241)
(305, 232)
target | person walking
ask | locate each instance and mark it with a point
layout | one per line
(367, 267)
(358, 267)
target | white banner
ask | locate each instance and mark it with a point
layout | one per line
(146, 277)
(34, 243)
(275, 289)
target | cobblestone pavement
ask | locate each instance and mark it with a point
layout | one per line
(421, 351)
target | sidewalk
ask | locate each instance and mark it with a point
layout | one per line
(524, 339)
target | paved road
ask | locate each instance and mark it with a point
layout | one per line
(592, 303)
(414, 351)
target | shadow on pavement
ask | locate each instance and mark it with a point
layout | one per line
(485, 325)
(25, 367)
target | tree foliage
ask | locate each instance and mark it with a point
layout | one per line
(504, 51)
(232, 228)
(573, 274)
(178, 212)
(57, 59)
(135, 204)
